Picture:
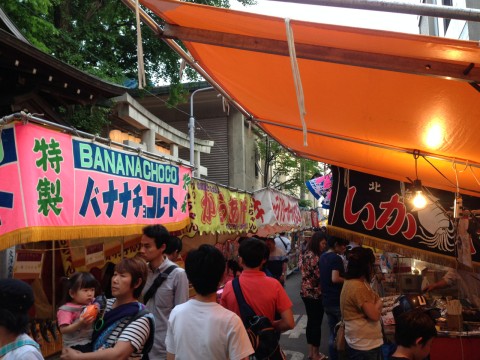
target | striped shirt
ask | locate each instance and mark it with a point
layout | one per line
(135, 332)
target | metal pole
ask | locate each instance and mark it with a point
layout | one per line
(54, 287)
(440, 11)
(191, 130)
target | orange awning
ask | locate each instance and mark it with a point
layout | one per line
(370, 96)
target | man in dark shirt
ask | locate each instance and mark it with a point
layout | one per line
(331, 282)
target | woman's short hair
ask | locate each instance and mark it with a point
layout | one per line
(137, 268)
(360, 263)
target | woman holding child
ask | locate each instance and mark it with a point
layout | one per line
(123, 327)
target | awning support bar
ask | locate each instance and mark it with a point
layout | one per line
(447, 12)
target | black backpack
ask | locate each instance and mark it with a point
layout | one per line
(262, 335)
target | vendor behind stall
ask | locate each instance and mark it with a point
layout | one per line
(468, 284)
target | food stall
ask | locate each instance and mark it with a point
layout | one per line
(416, 247)
(408, 98)
(277, 212)
(76, 203)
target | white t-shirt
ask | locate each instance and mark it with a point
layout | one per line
(26, 352)
(206, 330)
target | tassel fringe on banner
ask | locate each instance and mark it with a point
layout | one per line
(52, 233)
(389, 246)
(296, 78)
(141, 68)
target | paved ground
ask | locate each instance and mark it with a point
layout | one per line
(294, 342)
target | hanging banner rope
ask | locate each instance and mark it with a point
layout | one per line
(141, 68)
(296, 79)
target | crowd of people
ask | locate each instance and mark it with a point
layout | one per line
(150, 315)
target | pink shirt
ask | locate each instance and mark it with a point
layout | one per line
(65, 317)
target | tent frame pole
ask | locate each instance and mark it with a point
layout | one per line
(440, 11)
(184, 55)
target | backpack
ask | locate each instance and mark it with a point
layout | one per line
(149, 343)
(262, 335)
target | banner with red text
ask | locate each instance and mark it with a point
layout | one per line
(54, 186)
(276, 212)
(378, 211)
(215, 209)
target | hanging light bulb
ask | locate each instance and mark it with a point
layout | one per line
(419, 200)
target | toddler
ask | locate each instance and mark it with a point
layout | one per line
(75, 318)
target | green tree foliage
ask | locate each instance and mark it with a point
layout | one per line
(88, 118)
(99, 37)
(283, 171)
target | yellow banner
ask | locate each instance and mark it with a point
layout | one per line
(214, 209)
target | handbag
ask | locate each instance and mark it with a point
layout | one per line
(340, 343)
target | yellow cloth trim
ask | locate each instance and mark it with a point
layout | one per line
(394, 247)
(51, 233)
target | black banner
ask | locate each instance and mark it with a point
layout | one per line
(381, 208)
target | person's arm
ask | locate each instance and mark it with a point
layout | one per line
(450, 278)
(373, 311)
(121, 351)
(336, 278)
(286, 321)
(442, 283)
(170, 356)
(81, 323)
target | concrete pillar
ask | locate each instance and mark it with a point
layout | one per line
(148, 138)
(197, 163)
(174, 150)
(236, 150)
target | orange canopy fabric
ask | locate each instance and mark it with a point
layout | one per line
(370, 96)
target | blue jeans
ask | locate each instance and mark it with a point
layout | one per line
(374, 354)
(333, 316)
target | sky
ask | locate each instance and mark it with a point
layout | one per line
(337, 16)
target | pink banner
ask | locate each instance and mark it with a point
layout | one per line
(52, 182)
